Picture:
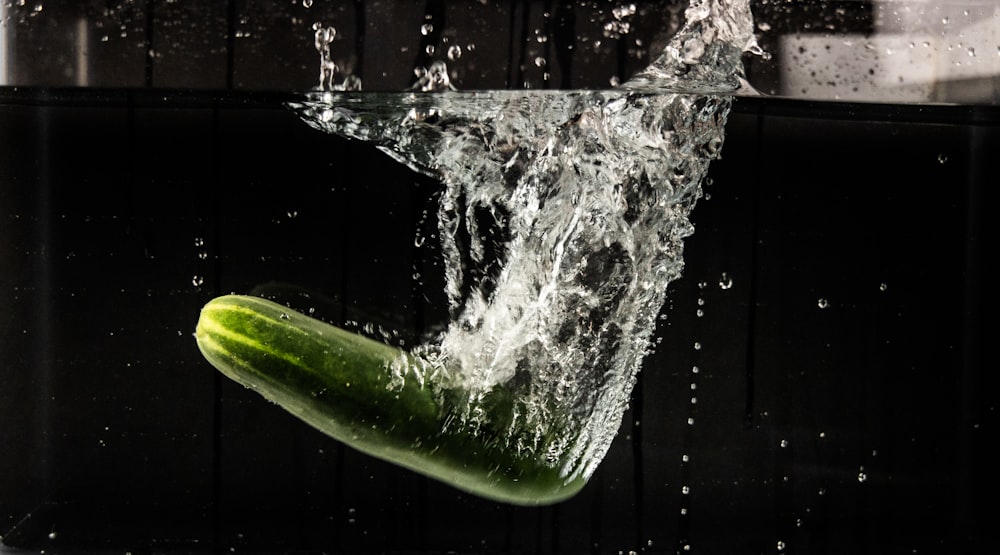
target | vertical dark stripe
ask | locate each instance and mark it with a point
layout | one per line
(621, 58)
(521, 48)
(150, 24)
(966, 514)
(41, 273)
(360, 26)
(508, 529)
(554, 518)
(565, 41)
(548, 29)
(638, 469)
(216, 285)
(754, 270)
(230, 44)
(596, 511)
(512, 32)
(516, 51)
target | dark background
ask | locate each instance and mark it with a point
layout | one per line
(167, 179)
(118, 436)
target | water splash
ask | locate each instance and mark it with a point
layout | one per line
(562, 222)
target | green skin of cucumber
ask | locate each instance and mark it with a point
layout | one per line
(342, 384)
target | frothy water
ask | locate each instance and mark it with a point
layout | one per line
(562, 221)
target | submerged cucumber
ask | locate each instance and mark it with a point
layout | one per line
(351, 388)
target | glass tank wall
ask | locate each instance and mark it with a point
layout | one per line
(815, 380)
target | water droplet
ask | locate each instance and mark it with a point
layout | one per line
(822, 303)
(725, 281)
(972, 52)
(285, 316)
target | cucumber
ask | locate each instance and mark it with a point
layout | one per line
(377, 399)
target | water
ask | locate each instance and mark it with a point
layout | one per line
(562, 221)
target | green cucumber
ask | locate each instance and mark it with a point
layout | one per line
(354, 389)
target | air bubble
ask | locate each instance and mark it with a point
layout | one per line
(426, 29)
(454, 52)
(822, 303)
(197, 281)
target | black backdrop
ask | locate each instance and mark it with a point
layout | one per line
(861, 427)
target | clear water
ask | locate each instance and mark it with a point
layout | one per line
(561, 221)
